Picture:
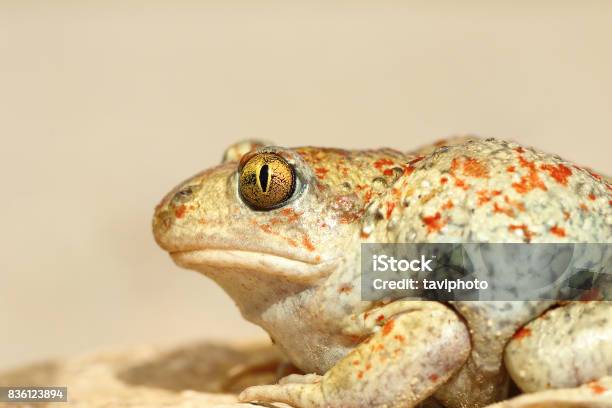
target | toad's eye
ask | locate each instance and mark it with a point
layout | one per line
(266, 181)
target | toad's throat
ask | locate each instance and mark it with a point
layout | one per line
(211, 260)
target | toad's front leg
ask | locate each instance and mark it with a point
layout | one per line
(414, 349)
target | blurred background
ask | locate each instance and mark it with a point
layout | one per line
(105, 106)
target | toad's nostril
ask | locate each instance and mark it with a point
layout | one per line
(183, 195)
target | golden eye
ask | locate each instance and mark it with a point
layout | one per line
(267, 181)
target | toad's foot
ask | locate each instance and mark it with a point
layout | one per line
(596, 394)
(417, 347)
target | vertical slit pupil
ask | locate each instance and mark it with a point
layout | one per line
(263, 178)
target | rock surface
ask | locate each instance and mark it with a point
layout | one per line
(198, 375)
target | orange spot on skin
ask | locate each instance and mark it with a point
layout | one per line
(416, 160)
(443, 180)
(507, 211)
(290, 214)
(368, 366)
(558, 231)
(363, 235)
(510, 169)
(520, 149)
(399, 338)
(472, 167)
(308, 243)
(180, 211)
(292, 242)
(531, 180)
(382, 162)
(360, 375)
(526, 233)
(434, 222)
(583, 207)
(388, 327)
(378, 347)
(390, 207)
(560, 172)
(448, 205)
(434, 377)
(266, 228)
(522, 333)
(566, 215)
(408, 170)
(355, 362)
(592, 197)
(368, 196)
(597, 388)
(461, 184)
(483, 197)
(321, 172)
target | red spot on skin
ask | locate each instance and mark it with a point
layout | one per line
(382, 162)
(461, 184)
(180, 211)
(408, 170)
(558, 231)
(526, 233)
(434, 222)
(597, 388)
(360, 375)
(559, 172)
(473, 168)
(390, 207)
(380, 318)
(448, 205)
(522, 333)
(416, 160)
(520, 149)
(321, 172)
(510, 169)
(495, 193)
(434, 377)
(388, 327)
(308, 243)
(610, 202)
(443, 180)
(592, 197)
(399, 338)
(388, 172)
(531, 180)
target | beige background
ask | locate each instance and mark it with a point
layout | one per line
(104, 107)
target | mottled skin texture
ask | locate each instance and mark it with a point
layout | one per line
(294, 270)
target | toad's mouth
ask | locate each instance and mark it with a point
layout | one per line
(211, 260)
